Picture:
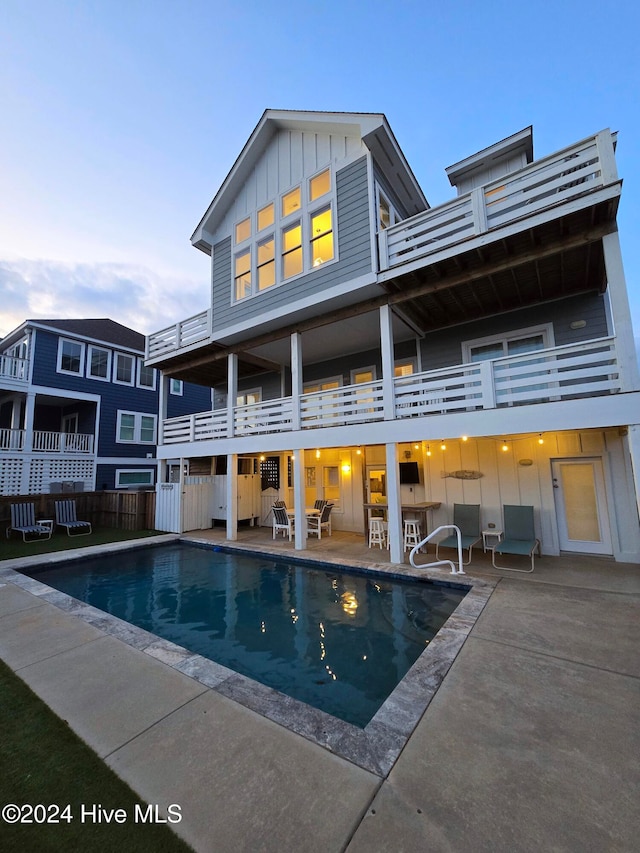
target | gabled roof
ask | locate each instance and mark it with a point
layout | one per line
(103, 330)
(372, 128)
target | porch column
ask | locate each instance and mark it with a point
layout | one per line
(619, 301)
(298, 500)
(296, 379)
(394, 506)
(232, 391)
(386, 346)
(633, 439)
(163, 396)
(232, 496)
(29, 412)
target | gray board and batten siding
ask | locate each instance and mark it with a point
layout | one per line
(353, 247)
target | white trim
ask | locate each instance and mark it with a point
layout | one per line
(117, 381)
(59, 368)
(109, 352)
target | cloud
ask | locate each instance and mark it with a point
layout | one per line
(135, 296)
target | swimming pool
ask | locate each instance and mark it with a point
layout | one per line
(335, 640)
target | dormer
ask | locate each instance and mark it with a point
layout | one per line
(504, 157)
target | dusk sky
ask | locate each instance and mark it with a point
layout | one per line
(121, 118)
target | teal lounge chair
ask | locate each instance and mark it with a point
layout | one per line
(467, 518)
(519, 536)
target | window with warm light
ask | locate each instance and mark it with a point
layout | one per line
(404, 368)
(290, 236)
(321, 237)
(243, 274)
(243, 230)
(291, 250)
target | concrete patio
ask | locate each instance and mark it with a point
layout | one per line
(531, 742)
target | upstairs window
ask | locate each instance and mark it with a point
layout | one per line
(124, 369)
(136, 428)
(387, 214)
(285, 238)
(99, 366)
(146, 376)
(70, 357)
(176, 387)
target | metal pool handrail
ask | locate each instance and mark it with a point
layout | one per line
(416, 549)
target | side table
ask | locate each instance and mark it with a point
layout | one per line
(487, 534)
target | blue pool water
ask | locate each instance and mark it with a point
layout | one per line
(335, 640)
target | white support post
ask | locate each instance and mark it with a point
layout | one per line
(386, 347)
(633, 440)
(621, 314)
(232, 496)
(298, 500)
(232, 392)
(163, 397)
(394, 506)
(607, 157)
(296, 379)
(479, 211)
(29, 412)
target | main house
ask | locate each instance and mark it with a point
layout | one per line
(364, 347)
(79, 408)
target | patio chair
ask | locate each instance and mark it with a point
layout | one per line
(467, 518)
(317, 523)
(23, 519)
(66, 517)
(282, 521)
(280, 503)
(519, 536)
(320, 504)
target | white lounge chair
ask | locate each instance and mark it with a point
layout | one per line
(23, 520)
(66, 517)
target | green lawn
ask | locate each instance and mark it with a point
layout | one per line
(15, 547)
(43, 762)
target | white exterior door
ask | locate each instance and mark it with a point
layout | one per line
(581, 506)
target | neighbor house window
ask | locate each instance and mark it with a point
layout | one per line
(243, 274)
(124, 369)
(243, 230)
(99, 366)
(70, 357)
(320, 185)
(176, 387)
(291, 202)
(130, 477)
(404, 368)
(146, 376)
(266, 216)
(266, 263)
(387, 214)
(136, 428)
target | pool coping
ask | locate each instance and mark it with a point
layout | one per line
(374, 748)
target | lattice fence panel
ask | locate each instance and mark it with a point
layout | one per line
(10, 475)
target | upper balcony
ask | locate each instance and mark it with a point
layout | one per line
(531, 236)
(588, 369)
(63, 443)
(14, 372)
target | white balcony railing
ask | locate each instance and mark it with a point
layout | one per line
(182, 334)
(47, 442)
(587, 369)
(546, 183)
(13, 368)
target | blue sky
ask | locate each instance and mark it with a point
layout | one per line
(120, 119)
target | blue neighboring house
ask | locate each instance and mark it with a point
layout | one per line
(79, 409)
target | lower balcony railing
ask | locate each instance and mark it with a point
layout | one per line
(47, 442)
(570, 372)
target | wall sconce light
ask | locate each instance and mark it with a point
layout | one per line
(428, 450)
(443, 446)
(540, 439)
(465, 438)
(346, 468)
(359, 452)
(416, 447)
(317, 454)
(505, 446)
(262, 457)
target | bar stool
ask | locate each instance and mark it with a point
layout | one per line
(377, 533)
(411, 533)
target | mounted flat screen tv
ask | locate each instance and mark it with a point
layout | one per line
(409, 473)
